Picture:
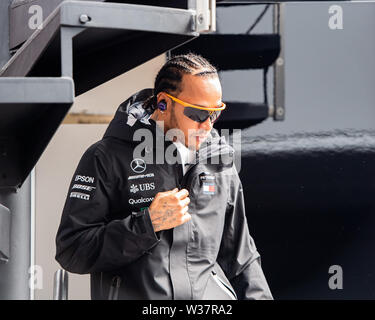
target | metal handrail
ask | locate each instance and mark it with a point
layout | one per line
(60, 285)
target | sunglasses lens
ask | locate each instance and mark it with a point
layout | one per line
(196, 114)
(199, 115)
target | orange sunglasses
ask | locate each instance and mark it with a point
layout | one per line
(199, 113)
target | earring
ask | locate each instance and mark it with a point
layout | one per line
(162, 105)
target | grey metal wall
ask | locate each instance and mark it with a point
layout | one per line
(329, 74)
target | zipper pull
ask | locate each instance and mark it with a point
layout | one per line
(113, 290)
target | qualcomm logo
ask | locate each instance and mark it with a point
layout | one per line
(138, 165)
(141, 200)
(142, 187)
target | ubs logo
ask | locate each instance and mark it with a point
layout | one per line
(138, 165)
(134, 188)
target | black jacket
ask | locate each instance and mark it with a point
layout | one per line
(106, 229)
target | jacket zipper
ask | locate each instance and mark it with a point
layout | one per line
(114, 289)
(180, 185)
(223, 285)
(184, 177)
(101, 285)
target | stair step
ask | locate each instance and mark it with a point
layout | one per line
(105, 48)
(239, 115)
(236, 51)
(31, 109)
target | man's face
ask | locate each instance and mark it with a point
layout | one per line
(200, 91)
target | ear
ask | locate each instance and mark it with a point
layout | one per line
(162, 96)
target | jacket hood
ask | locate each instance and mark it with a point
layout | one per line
(131, 116)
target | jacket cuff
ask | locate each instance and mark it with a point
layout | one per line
(143, 225)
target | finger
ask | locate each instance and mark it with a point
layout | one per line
(185, 202)
(184, 210)
(182, 194)
(169, 192)
(185, 218)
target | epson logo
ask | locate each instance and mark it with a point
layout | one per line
(84, 179)
(140, 200)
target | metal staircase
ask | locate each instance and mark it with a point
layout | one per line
(81, 45)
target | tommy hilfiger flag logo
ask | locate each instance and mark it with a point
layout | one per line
(209, 188)
(208, 183)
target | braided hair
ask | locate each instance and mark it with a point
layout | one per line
(169, 77)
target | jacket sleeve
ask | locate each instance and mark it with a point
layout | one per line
(238, 255)
(87, 241)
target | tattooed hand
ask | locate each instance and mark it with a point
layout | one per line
(169, 209)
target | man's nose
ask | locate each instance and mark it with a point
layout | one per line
(206, 125)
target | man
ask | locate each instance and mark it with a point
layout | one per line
(150, 229)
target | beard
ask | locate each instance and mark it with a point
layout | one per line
(190, 139)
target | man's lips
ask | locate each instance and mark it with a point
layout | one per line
(201, 137)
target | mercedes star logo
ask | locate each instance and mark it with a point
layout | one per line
(138, 165)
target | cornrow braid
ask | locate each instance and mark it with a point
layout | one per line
(169, 77)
